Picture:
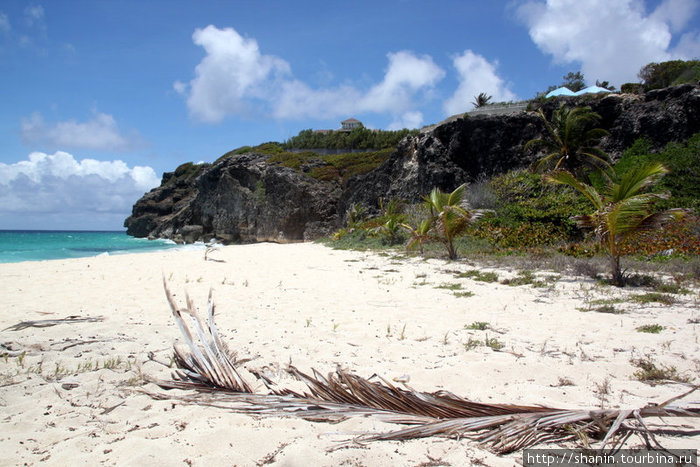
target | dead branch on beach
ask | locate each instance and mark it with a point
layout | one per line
(45, 323)
(211, 248)
(207, 366)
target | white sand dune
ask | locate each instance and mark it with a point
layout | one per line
(75, 397)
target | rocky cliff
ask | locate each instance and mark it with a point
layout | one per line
(245, 198)
(238, 199)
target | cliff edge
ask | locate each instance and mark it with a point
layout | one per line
(246, 198)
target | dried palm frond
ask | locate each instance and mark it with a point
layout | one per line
(210, 368)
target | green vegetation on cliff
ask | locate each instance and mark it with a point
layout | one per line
(330, 167)
(671, 73)
(358, 138)
(184, 173)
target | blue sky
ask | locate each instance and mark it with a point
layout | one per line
(99, 98)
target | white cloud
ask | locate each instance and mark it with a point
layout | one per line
(676, 13)
(406, 75)
(34, 15)
(232, 73)
(180, 87)
(4, 23)
(235, 78)
(476, 75)
(689, 45)
(99, 133)
(611, 40)
(59, 184)
(411, 119)
(297, 100)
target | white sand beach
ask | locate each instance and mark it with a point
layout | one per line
(72, 393)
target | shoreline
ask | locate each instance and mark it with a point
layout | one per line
(76, 396)
(47, 247)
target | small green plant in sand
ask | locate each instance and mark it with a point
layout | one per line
(604, 305)
(524, 278)
(654, 297)
(650, 328)
(20, 359)
(471, 344)
(447, 286)
(421, 279)
(60, 370)
(112, 363)
(478, 326)
(465, 294)
(649, 372)
(667, 288)
(493, 342)
(482, 276)
(610, 309)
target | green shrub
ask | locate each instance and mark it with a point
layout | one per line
(358, 138)
(669, 73)
(654, 297)
(650, 328)
(187, 172)
(529, 213)
(478, 326)
(483, 276)
(632, 88)
(683, 162)
(608, 309)
(649, 372)
(523, 278)
(335, 167)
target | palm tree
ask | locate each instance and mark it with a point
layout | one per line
(448, 216)
(622, 208)
(481, 100)
(391, 230)
(420, 234)
(570, 142)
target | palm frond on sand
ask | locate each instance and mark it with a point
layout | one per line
(207, 366)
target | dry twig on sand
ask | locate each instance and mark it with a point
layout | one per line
(208, 366)
(45, 323)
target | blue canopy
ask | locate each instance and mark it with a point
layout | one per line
(562, 91)
(591, 90)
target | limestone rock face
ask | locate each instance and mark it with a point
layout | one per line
(451, 154)
(245, 198)
(238, 199)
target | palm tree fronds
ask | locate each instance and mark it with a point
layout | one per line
(564, 177)
(637, 179)
(570, 141)
(209, 368)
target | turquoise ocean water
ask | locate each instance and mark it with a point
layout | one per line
(37, 245)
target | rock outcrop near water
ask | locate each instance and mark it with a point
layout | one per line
(245, 198)
(238, 199)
